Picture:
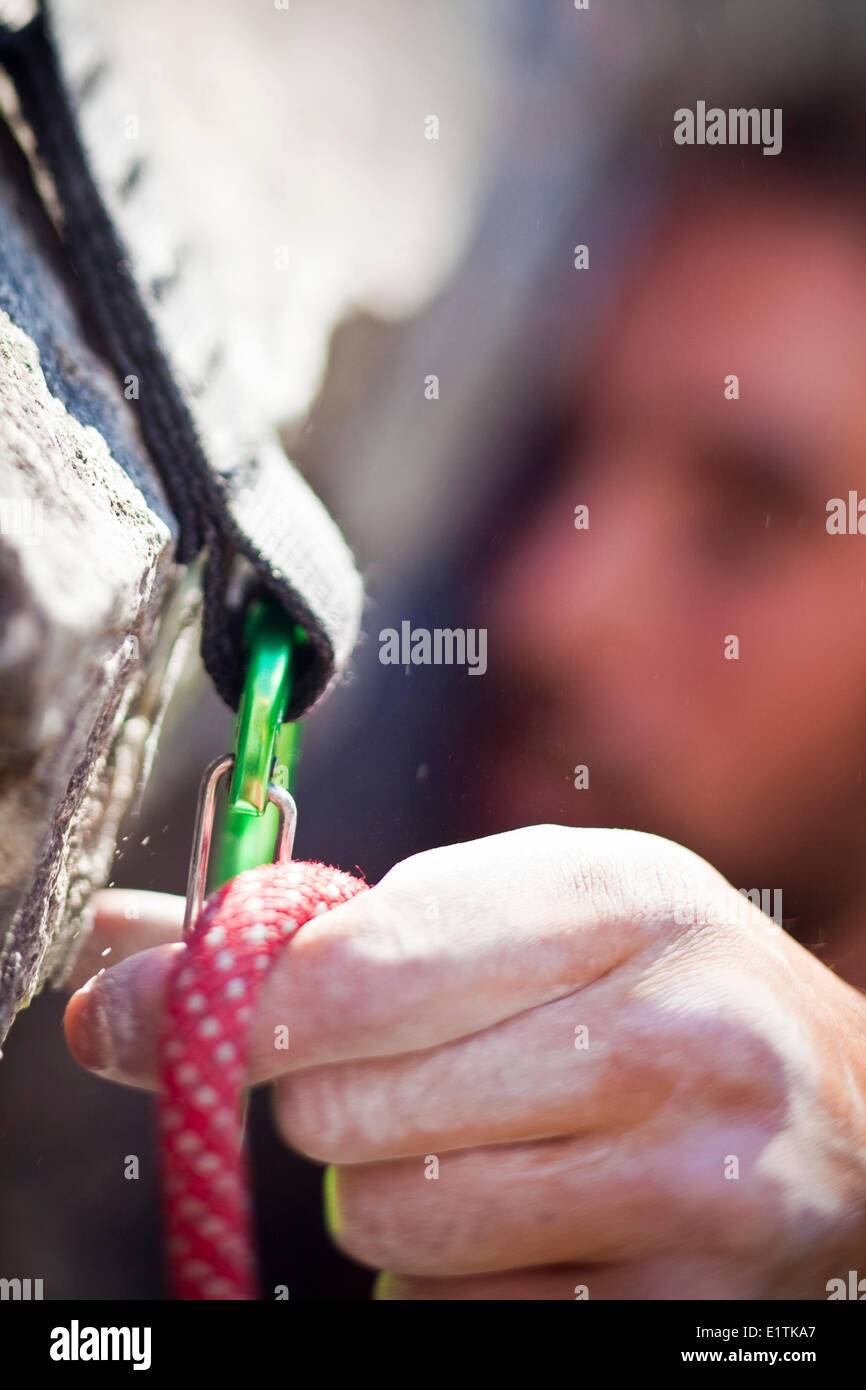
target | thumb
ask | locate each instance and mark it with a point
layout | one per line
(125, 921)
(112, 1024)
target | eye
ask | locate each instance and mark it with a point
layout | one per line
(747, 502)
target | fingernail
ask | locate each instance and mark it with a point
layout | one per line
(88, 1034)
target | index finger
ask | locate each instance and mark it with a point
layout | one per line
(449, 942)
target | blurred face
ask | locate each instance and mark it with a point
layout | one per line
(707, 521)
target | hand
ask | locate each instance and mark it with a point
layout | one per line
(534, 1082)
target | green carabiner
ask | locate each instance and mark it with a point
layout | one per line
(265, 747)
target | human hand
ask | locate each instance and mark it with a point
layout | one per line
(533, 1082)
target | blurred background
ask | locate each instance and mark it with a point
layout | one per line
(351, 257)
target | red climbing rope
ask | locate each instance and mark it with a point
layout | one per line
(212, 994)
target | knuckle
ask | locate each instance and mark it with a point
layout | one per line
(695, 1039)
(749, 1223)
(653, 882)
(744, 1071)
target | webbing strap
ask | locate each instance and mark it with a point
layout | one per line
(229, 483)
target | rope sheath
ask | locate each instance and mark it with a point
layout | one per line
(211, 997)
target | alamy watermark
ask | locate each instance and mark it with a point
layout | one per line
(721, 914)
(851, 1288)
(21, 1290)
(77, 1343)
(439, 646)
(22, 517)
(739, 125)
(846, 517)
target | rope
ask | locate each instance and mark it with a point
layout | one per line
(212, 994)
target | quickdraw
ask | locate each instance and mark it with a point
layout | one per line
(231, 941)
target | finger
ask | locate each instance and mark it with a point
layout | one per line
(450, 942)
(557, 1201)
(522, 1284)
(112, 1024)
(457, 939)
(674, 1278)
(602, 1059)
(125, 921)
(605, 1058)
(520, 1079)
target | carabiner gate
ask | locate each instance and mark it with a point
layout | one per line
(203, 833)
(264, 757)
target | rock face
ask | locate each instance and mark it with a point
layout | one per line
(94, 615)
(286, 210)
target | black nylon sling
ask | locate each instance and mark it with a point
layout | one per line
(233, 492)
